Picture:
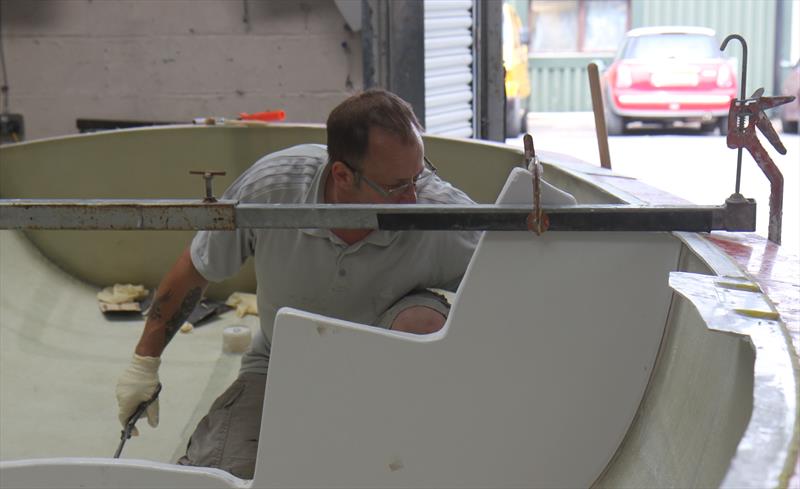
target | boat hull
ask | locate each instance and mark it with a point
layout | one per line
(707, 397)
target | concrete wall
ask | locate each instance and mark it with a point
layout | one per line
(173, 60)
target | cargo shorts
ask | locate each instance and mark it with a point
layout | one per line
(227, 437)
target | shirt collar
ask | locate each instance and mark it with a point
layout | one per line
(315, 195)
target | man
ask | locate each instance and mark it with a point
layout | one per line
(374, 156)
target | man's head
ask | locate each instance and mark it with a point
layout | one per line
(375, 148)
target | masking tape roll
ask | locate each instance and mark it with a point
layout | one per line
(236, 339)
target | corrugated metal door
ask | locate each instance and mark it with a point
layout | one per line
(448, 67)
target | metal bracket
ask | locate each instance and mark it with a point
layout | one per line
(537, 220)
(740, 213)
(207, 177)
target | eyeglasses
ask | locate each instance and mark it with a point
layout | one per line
(392, 191)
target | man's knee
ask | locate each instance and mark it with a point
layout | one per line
(419, 320)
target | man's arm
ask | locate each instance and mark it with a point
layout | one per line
(176, 297)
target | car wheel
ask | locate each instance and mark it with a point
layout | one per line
(722, 125)
(615, 124)
(513, 120)
(523, 123)
(711, 126)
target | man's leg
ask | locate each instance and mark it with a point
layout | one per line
(420, 312)
(227, 437)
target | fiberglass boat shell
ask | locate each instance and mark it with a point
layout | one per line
(708, 401)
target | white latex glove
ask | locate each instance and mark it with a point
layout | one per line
(137, 385)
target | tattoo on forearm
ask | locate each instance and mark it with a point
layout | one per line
(155, 310)
(174, 323)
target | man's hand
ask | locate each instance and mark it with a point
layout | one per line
(177, 295)
(137, 385)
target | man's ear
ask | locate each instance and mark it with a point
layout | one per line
(342, 175)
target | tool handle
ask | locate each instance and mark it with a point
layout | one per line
(269, 115)
(131, 423)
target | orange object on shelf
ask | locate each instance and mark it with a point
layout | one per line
(266, 116)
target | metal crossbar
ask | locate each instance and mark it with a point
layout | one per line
(229, 215)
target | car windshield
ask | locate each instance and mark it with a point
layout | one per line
(680, 46)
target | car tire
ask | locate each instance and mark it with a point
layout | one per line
(615, 124)
(790, 127)
(513, 120)
(722, 125)
(709, 127)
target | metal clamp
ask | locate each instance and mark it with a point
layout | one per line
(208, 176)
(745, 116)
(538, 222)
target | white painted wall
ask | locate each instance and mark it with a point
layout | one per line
(174, 60)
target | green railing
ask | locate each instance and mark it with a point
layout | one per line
(560, 84)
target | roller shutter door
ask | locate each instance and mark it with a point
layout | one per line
(448, 67)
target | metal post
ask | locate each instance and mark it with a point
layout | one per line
(488, 75)
(599, 116)
(393, 38)
(743, 96)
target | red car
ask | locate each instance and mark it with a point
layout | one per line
(668, 74)
(790, 113)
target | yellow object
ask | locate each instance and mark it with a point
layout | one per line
(749, 287)
(121, 293)
(244, 303)
(758, 314)
(515, 55)
(187, 327)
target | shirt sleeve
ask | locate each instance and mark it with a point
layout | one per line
(454, 256)
(454, 249)
(218, 255)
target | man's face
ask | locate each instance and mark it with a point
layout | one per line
(390, 164)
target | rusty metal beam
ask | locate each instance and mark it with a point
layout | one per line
(116, 214)
(227, 215)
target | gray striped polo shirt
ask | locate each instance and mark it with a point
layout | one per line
(314, 270)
